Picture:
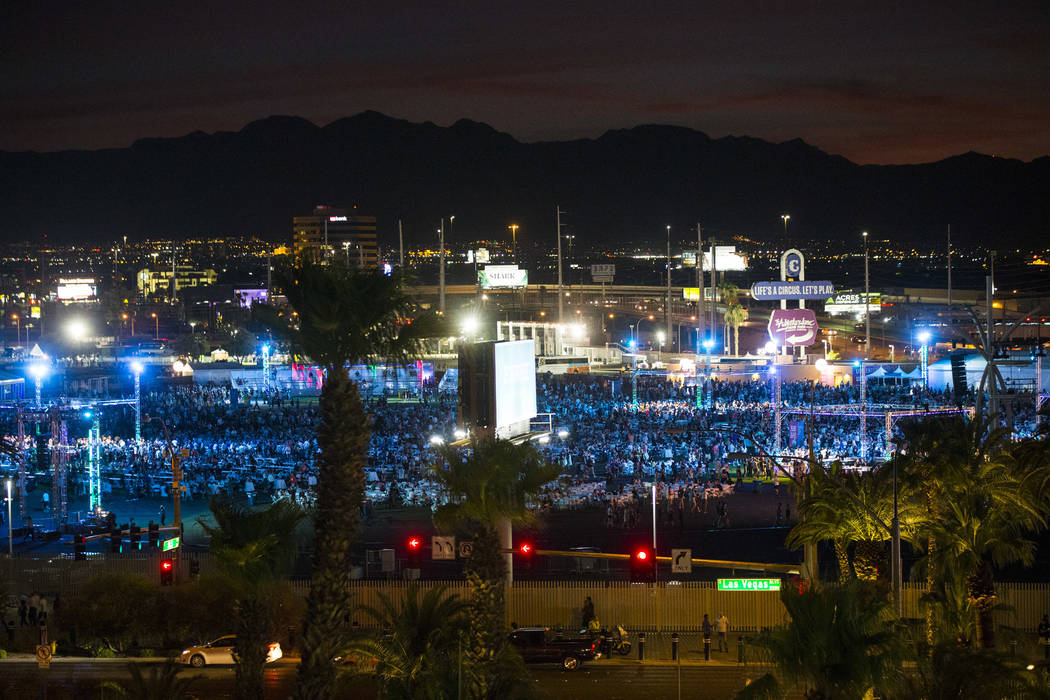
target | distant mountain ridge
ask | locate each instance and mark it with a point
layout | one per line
(623, 186)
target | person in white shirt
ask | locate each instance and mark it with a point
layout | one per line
(723, 629)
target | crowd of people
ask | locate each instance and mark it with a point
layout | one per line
(609, 449)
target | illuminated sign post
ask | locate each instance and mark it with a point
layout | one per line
(170, 544)
(749, 584)
(775, 291)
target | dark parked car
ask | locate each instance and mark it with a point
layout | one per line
(540, 645)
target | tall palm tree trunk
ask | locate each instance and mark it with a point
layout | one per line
(252, 645)
(867, 559)
(842, 556)
(980, 588)
(736, 339)
(485, 574)
(342, 441)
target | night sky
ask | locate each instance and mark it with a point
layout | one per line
(880, 82)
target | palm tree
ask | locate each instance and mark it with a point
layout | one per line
(489, 490)
(820, 516)
(256, 549)
(734, 316)
(342, 316)
(162, 683)
(985, 522)
(981, 500)
(415, 654)
(837, 646)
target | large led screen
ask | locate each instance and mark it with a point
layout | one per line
(515, 382)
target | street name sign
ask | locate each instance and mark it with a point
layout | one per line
(170, 544)
(749, 584)
(803, 289)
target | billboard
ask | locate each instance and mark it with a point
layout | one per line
(845, 303)
(514, 382)
(502, 276)
(767, 291)
(75, 289)
(793, 327)
(725, 255)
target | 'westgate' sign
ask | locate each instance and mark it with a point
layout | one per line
(793, 327)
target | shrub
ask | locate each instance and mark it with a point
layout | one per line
(3, 653)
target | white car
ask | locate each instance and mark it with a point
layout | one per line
(221, 652)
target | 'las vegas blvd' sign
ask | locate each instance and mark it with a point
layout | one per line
(749, 584)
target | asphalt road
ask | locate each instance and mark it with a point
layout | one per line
(608, 681)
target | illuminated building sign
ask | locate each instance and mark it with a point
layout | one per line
(337, 218)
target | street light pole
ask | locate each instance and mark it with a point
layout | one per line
(784, 218)
(10, 529)
(867, 303)
(561, 294)
(441, 267)
(670, 320)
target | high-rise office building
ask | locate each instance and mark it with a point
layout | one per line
(332, 233)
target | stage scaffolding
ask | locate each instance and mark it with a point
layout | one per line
(56, 417)
(888, 413)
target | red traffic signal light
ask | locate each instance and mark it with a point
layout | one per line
(167, 572)
(643, 564)
(525, 549)
(414, 543)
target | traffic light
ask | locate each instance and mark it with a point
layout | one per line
(414, 547)
(136, 537)
(116, 541)
(154, 534)
(79, 551)
(167, 572)
(643, 565)
(526, 550)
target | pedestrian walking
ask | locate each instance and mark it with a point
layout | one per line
(723, 629)
(23, 613)
(34, 605)
(27, 533)
(588, 611)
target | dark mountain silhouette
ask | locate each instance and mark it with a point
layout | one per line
(625, 185)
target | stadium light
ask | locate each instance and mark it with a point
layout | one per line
(38, 371)
(460, 433)
(563, 433)
(137, 368)
(437, 440)
(924, 337)
(469, 325)
(77, 330)
(708, 344)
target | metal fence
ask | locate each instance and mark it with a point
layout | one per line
(664, 607)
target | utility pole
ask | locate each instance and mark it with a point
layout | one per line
(950, 328)
(400, 246)
(867, 303)
(174, 287)
(714, 287)
(667, 313)
(700, 285)
(561, 294)
(441, 267)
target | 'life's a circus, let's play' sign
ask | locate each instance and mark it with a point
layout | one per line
(793, 327)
